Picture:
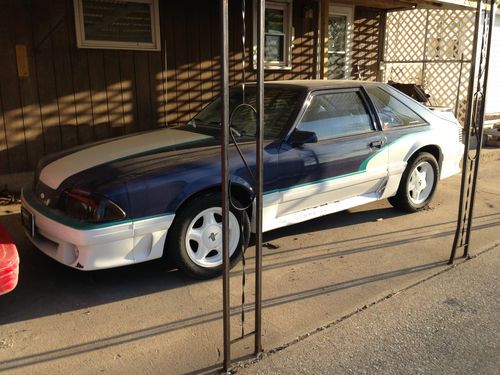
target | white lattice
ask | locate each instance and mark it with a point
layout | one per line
(404, 72)
(450, 35)
(432, 48)
(405, 35)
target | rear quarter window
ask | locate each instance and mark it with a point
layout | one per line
(391, 111)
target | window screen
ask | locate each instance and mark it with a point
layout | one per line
(391, 111)
(275, 35)
(125, 24)
(336, 115)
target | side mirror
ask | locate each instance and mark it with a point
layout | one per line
(300, 137)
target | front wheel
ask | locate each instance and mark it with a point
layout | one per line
(195, 239)
(418, 184)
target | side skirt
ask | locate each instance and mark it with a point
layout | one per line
(271, 222)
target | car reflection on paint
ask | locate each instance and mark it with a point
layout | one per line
(329, 146)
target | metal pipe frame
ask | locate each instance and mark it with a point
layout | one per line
(224, 65)
(475, 116)
(225, 124)
(480, 122)
(259, 175)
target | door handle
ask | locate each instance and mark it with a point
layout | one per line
(377, 144)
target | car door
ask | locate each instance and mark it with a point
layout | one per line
(405, 130)
(339, 154)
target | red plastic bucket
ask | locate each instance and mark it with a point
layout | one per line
(9, 263)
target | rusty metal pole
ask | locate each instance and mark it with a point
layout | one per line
(261, 6)
(468, 122)
(475, 116)
(224, 72)
(480, 122)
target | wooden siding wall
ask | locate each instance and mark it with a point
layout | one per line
(74, 96)
(367, 43)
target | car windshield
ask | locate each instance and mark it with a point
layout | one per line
(279, 106)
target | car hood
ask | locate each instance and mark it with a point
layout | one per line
(55, 172)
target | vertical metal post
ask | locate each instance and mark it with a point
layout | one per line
(475, 115)
(224, 66)
(468, 122)
(480, 119)
(261, 6)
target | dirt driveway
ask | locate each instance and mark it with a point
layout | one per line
(152, 319)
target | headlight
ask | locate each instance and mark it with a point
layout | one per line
(89, 207)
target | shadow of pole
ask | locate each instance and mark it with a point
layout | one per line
(204, 318)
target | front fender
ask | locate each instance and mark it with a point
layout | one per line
(212, 182)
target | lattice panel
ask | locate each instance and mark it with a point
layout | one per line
(438, 59)
(450, 35)
(405, 35)
(441, 83)
(404, 72)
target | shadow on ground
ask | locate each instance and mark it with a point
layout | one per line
(47, 287)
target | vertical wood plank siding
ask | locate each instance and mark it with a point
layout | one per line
(367, 43)
(74, 96)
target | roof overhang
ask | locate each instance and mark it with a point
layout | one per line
(411, 4)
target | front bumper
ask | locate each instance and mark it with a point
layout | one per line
(91, 247)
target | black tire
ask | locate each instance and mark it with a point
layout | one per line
(404, 199)
(177, 250)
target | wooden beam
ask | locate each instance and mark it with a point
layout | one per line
(324, 5)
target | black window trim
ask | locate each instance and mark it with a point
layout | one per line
(364, 99)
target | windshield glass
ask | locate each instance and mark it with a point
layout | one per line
(279, 106)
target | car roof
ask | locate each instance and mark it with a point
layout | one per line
(317, 84)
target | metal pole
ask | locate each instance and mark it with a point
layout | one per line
(468, 122)
(480, 125)
(259, 175)
(224, 66)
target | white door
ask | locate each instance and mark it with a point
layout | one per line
(340, 20)
(493, 95)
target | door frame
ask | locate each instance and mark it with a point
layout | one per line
(347, 11)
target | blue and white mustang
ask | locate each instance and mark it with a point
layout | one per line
(330, 145)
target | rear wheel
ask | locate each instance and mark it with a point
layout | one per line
(195, 238)
(418, 184)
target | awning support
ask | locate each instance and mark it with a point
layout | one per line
(485, 18)
(259, 173)
(224, 82)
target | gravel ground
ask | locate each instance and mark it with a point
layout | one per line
(449, 324)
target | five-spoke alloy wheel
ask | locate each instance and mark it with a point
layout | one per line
(418, 183)
(204, 237)
(194, 241)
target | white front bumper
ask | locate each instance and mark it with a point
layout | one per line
(99, 247)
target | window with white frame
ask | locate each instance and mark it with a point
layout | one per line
(117, 24)
(278, 34)
(340, 24)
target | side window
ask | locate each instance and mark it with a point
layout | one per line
(391, 111)
(336, 115)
